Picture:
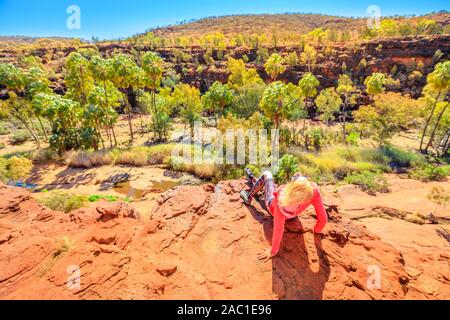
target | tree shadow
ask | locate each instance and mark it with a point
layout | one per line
(114, 180)
(70, 178)
(293, 277)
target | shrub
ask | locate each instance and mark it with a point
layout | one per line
(368, 181)
(401, 158)
(19, 168)
(64, 201)
(63, 244)
(4, 130)
(20, 137)
(337, 162)
(256, 170)
(227, 172)
(142, 156)
(44, 155)
(358, 154)
(159, 153)
(288, 166)
(439, 197)
(3, 169)
(88, 159)
(314, 174)
(352, 138)
(135, 158)
(415, 218)
(203, 171)
(316, 138)
(429, 172)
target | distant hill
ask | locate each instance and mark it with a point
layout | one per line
(297, 23)
(287, 27)
(26, 39)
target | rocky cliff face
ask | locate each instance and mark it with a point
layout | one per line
(199, 242)
(402, 55)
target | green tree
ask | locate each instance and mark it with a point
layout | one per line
(65, 116)
(281, 101)
(309, 57)
(160, 125)
(101, 113)
(308, 85)
(103, 73)
(274, 66)
(348, 91)
(11, 77)
(292, 59)
(308, 89)
(22, 86)
(21, 110)
(375, 83)
(126, 76)
(246, 100)
(389, 113)
(217, 98)
(78, 77)
(188, 98)
(153, 67)
(240, 75)
(328, 102)
(438, 88)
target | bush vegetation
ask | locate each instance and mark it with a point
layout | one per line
(134, 156)
(15, 168)
(63, 201)
(19, 137)
(369, 181)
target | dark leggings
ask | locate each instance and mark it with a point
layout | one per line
(266, 182)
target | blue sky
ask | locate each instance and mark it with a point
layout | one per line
(113, 18)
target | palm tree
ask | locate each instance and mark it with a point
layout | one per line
(438, 83)
(126, 75)
(153, 67)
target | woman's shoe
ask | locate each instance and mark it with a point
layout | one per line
(244, 196)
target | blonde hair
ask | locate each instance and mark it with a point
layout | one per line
(297, 191)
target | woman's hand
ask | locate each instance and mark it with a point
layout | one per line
(265, 255)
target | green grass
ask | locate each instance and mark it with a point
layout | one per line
(63, 201)
(339, 162)
(96, 198)
(20, 137)
(4, 130)
(364, 166)
(134, 156)
(336, 163)
(428, 172)
(368, 181)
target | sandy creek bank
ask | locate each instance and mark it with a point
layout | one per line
(142, 186)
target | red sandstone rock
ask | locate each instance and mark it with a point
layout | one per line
(200, 245)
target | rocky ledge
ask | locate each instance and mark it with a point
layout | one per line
(200, 242)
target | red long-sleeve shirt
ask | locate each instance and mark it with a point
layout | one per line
(280, 215)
